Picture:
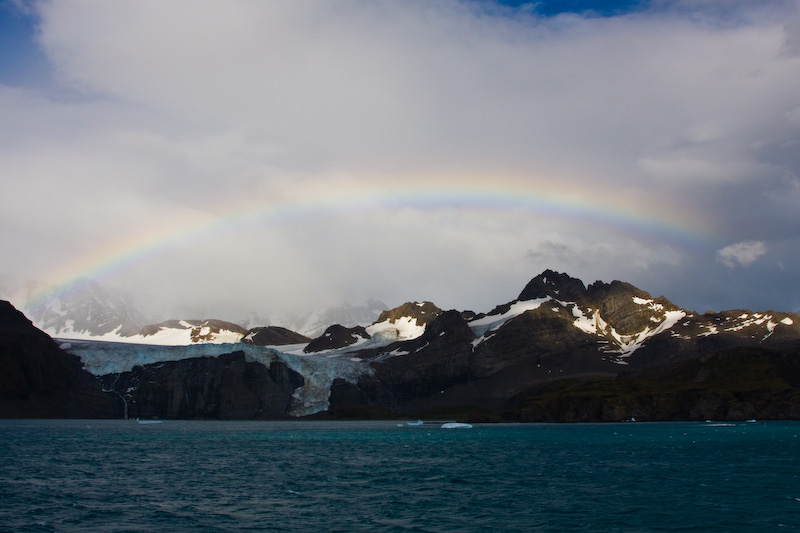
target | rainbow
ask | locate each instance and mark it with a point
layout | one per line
(347, 197)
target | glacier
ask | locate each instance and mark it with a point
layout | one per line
(319, 372)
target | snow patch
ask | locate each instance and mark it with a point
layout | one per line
(787, 321)
(165, 336)
(593, 326)
(637, 341)
(649, 303)
(491, 322)
(770, 328)
(712, 330)
(404, 328)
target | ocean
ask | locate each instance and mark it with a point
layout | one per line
(119, 475)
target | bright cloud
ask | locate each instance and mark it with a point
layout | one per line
(270, 155)
(742, 253)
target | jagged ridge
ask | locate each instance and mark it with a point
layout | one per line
(419, 359)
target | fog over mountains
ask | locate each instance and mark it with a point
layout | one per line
(87, 309)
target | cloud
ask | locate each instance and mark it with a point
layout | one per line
(742, 253)
(314, 151)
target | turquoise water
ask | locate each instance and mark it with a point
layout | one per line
(375, 476)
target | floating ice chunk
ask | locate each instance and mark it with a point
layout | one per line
(456, 425)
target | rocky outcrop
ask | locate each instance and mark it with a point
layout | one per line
(273, 336)
(422, 312)
(336, 337)
(424, 367)
(39, 380)
(624, 307)
(224, 387)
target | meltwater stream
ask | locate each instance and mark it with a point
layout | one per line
(381, 476)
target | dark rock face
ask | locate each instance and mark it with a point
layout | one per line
(39, 380)
(335, 337)
(431, 363)
(273, 336)
(737, 384)
(224, 387)
(544, 337)
(447, 367)
(615, 302)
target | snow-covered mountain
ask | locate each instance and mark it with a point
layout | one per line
(418, 357)
(86, 310)
(82, 308)
(314, 323)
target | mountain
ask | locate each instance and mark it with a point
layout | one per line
(556, 329)
(313, 324)
(273, 336)
(83, 308)
(182, 332)
(560, 351)
(39, 380)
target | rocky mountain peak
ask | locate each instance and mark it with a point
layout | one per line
(201, 330)
(337, 336)
(627, 308)
(273, 336)
(11, 318)
(423, 312)
(555, 285)
(85, 306)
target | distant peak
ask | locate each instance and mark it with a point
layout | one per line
(554, 284)
(423, 312)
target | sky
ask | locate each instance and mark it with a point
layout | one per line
(228, 157)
